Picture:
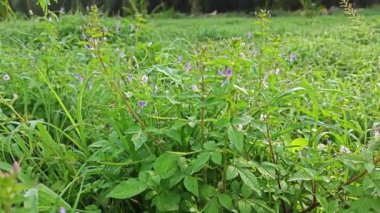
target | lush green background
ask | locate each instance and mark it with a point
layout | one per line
(304, 137)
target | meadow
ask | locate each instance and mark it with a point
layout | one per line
(265, 113)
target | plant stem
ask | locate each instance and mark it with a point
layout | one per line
(273, 159)
(203, 106)
(348, 182)
(115, 86)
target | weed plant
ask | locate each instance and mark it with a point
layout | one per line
(108, 118)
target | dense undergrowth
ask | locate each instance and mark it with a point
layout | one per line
(116, 116)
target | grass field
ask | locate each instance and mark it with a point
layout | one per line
(197, 114)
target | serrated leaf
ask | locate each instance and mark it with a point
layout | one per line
(250, 179)
(191, 184)
(127, 189)
(226, 201)
(236, 138)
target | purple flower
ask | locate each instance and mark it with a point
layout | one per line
(227, 74)
(141, 105)
(292, 57)
(144, 79)
(79, 77)
(187, 67)
(194, 88)
(130, 77)
(62, 210)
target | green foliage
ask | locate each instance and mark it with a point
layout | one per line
(119, 116)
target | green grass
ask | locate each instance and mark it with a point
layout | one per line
(262, 142)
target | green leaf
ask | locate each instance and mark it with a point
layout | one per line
(223, 122)
(250, 179)
(200, 162)
(127, 189)
(216, 157)
(236, 138)
(242, 120)
(226, 201)
(232, 172)
(139, 139)
(212, 206)
(298, 144)
(166, 165)
(207, 191)
(173, 134)
(48, 198)
(210, 145)
(167, 201)
(301, 175)
(191, 184)
(175, 180)
(244, 206)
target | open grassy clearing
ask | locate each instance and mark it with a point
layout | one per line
(196, 114)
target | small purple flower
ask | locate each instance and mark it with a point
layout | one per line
(144, 79)
(130, 77)
(194, 88)
(79, 77)
(227, 74)
(141, 105)
(187, 67)
(292, 57)
(62, 210)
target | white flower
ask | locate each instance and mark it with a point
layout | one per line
(344, 150)
(321, 146)
(263, 117)
(144, 79)
(277, 71)
(6, 77)
(194, 88)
